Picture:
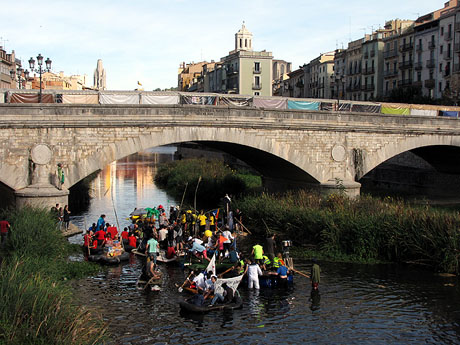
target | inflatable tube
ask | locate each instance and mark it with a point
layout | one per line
(94, 258)
(237, 304)
(114, 260)
(128, 248)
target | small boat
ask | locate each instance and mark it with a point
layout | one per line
(189, 307)
(272, 281)
(145, 281)
(113, 260)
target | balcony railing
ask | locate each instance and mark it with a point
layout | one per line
(419, 48)
(257, 86)
(430, 63)
(256, 70)
(368, 70)
(448, 36)
(389, 54)
(430, 83)
(447, 55)
(432, 45)
(404, 82)
(418, 66)
(372, 52)
(405, 64)
(406, 46)
(369, 87)
(390, 73)
(366, 55)
(417, 83)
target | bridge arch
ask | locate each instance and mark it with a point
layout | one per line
(295, 163)
(417, 144)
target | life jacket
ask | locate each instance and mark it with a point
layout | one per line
(266, 260)
(277, 262)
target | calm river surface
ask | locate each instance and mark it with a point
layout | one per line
(358, 304)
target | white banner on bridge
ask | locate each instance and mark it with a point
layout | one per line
(118, 98)
(159, 99)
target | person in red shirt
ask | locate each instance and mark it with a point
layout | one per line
(112, 230)
(100, 237)
(125, 234)
(4, 227)
(87, 239)
(170, 253)
(132, 240)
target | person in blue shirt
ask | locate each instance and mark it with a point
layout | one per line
(101, 222)
(199, 250)
(282, 273)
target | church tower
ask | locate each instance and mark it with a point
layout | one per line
(99, 76)
(243, 39)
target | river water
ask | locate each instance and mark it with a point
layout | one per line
(357, 304)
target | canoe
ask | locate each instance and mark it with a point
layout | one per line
(272, 281)
(237, 304)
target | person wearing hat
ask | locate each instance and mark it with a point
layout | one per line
(315, 274)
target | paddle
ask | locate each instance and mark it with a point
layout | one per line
(182, 286)
(222, 274)
(147, 284)
(301, 273)
(249, 232)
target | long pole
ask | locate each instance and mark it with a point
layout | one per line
(196, 190)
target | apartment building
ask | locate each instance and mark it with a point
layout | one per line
(338, 77)
(294, 85)
(8, 62)
(372, 66)
(321, 70)
(353, 61)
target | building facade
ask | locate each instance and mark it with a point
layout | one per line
(8, 62)
(99, 77)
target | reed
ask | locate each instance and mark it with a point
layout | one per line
(37, 305)
(367, 229)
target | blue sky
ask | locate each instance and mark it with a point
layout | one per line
(147, 40)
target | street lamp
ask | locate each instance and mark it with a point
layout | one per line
(40, 70)
(20, 71)
(338, 78)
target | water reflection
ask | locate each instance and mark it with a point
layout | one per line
(357, 303)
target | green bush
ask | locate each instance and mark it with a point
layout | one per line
(366, 229)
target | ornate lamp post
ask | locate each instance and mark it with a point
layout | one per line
(20, 71)
(40, 70)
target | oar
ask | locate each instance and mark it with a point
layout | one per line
(268, 230)
(89, 239)
(181, 287)
(299, 272)
(249, 232)
(147, 284)
(222, 274)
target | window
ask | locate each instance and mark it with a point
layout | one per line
(441, 49)
(257, 81)
(256, 93)
(442, 30)
(440, 67)
(419, 76)
(387, 84)
(246, 42)
(440, 86)
(256, 66)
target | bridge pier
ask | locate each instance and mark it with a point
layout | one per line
(42, 196)
(350, 188)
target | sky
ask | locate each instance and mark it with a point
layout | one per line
(146, 40)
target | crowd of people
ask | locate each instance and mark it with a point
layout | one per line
(62, 216)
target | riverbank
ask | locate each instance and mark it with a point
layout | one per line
(367, 229)
(37, 304)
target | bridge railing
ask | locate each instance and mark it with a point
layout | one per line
(213, 99)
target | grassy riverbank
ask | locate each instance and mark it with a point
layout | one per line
(216, 180)
(363, 230)
(37, 305)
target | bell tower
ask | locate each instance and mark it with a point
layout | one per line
(243, 39)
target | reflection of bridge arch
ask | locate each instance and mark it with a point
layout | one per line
(240, 143)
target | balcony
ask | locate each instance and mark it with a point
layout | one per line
(417, 83)
(448, 36)
(430, 63)
(457, 26)
(430, 83)
(257, 86)
(447, 55)
(356, 87)
(418, 66)
(432, 45)
(404, 82)
(405, 64)
(372, 53)
(406, 47)
(457, 48)
(366, 55)
(390, 73)
(419, 48)
(369, 87)
(389, 54)
(256, 70)
(369, 70)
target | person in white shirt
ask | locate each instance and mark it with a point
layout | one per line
(254, 272)
(227, 244)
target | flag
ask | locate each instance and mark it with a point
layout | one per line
(212, 265)
(231, 282)
(139, 83)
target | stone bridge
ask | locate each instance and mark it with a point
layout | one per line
(290, 148)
